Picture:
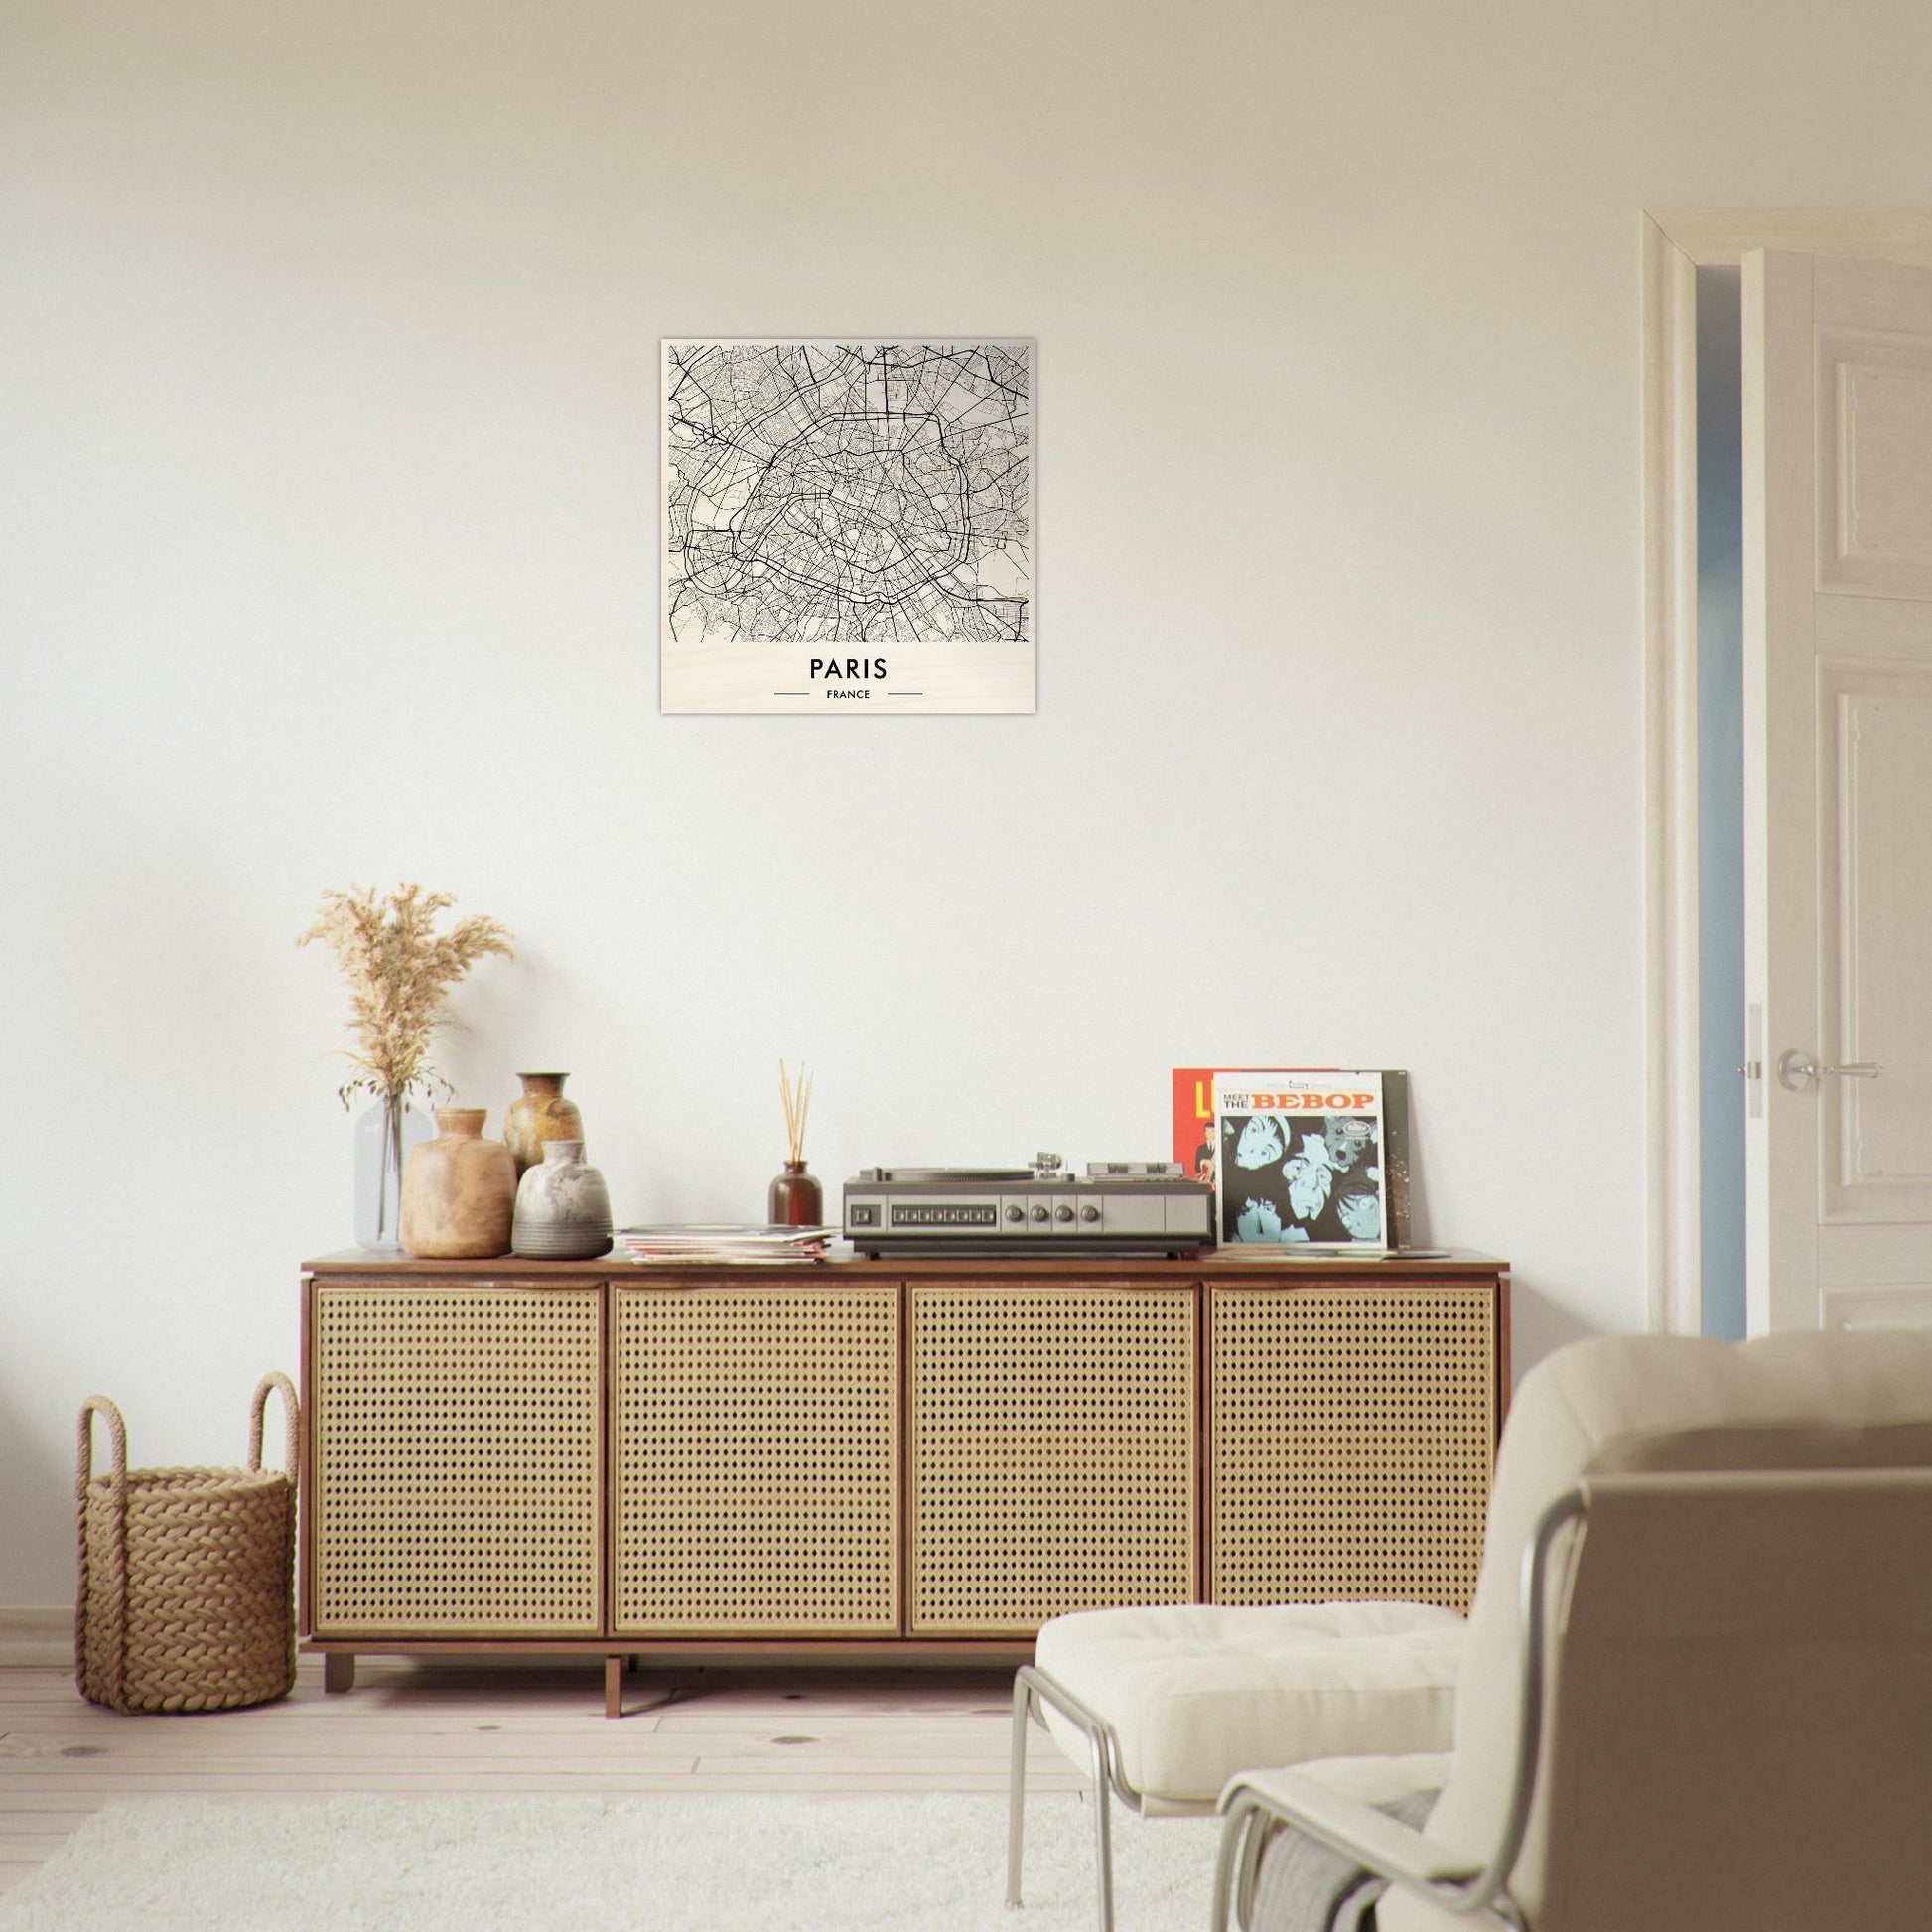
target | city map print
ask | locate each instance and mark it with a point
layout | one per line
(848, 525)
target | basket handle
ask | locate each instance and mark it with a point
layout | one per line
(99, 1405)
(292, 1415)
(112, 1586)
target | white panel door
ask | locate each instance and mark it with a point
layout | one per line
(1837, 735)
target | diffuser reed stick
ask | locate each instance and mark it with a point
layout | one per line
(798, 1099)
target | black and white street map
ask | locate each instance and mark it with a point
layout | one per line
(848, 526)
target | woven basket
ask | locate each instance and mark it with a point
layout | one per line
(185, 1575)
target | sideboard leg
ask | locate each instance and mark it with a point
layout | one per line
(613, 1687)
(339, 1670)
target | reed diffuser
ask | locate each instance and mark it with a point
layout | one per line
(796, 1200)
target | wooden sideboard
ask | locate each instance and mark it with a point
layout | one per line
(870, 1459)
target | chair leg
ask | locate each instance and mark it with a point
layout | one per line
(1103, 1840)
(1023, 1712)
(1229, 1861)
(1253, 1844)
(1031, 1692)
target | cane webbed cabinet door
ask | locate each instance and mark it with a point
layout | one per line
(755, 1442)
(1054, 1465)
(456, 1471)
(1350, 1441)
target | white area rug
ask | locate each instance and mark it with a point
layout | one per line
(652, 1864)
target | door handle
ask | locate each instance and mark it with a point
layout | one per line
(1797, 1071)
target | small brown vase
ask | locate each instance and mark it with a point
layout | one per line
(459, 1192)
(796, 1200)
(540, 1113)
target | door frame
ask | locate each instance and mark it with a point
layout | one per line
(1676, 243)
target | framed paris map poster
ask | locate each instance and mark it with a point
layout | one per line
(848, 526)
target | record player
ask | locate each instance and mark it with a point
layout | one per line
(1117, 1207)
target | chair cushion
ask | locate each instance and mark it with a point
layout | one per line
(1198, 1692)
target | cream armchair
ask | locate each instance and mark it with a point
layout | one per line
(1697, 1685)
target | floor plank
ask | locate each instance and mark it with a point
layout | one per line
(23, 1848)
(57, 1753)
(509, 1730)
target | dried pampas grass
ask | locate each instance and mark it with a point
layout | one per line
(399, 970)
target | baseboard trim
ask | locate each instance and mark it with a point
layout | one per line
(37, 1636)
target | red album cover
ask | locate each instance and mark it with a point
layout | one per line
(1194, 1120)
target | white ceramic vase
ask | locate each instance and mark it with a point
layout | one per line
(563, 1208)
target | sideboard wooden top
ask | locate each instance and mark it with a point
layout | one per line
(1456, 1264)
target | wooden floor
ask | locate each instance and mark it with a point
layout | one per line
(507, 1730)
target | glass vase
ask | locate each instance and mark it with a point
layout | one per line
(385, 1131)
(796, 1200)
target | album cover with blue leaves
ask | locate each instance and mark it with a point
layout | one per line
(1315, 1157)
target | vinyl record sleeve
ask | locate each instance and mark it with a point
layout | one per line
(1195, 1141)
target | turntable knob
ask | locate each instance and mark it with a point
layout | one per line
(1014, 1212)
(1040, 1213)
(1064, 1213)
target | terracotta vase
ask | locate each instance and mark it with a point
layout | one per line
(563, 1207)
(458, 1192)
(796, 1199)
(540, 1113)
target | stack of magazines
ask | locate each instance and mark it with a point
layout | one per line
(726, 1241)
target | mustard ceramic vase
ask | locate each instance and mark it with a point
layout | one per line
(540, 1113)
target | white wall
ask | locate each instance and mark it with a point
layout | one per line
(330, 456)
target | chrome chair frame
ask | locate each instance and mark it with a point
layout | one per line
(1032, 1689)
(1481, 1894)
